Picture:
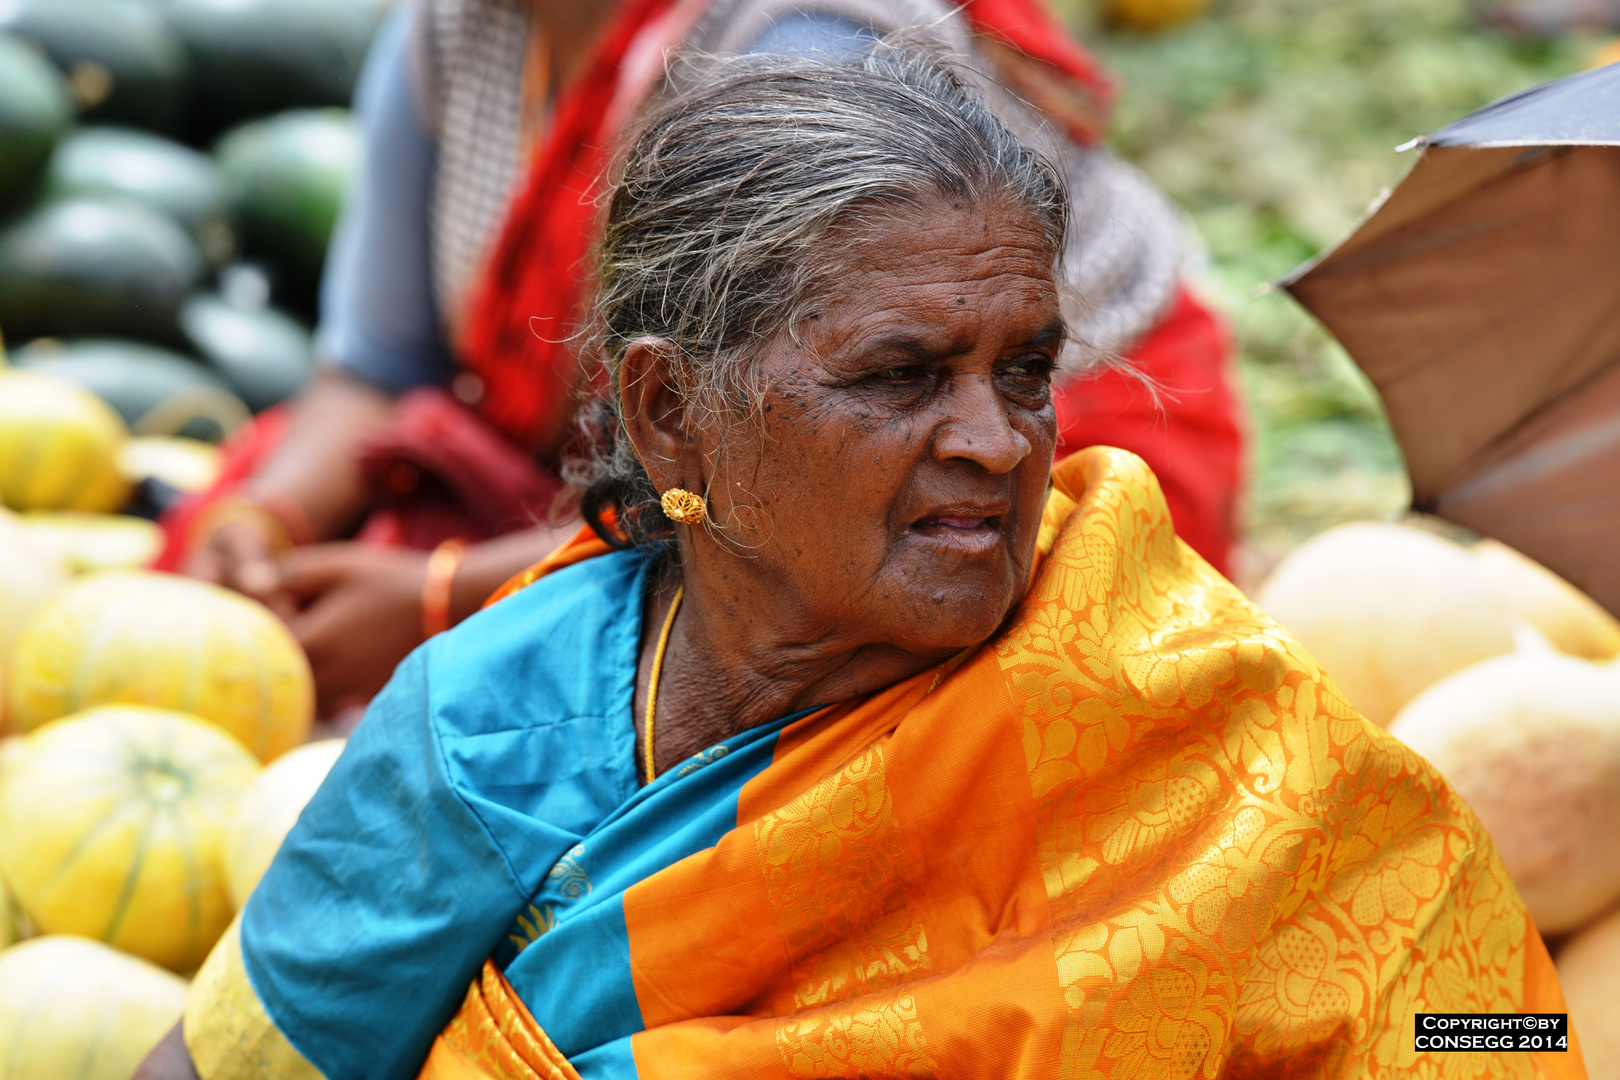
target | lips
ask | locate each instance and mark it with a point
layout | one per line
(964, 528)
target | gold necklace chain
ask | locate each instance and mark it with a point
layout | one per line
(652, 682)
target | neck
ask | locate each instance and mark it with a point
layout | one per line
(735, 661)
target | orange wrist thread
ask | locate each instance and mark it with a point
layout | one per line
(437, 585)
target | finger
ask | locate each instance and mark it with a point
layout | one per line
(245, 561)
(307, 572)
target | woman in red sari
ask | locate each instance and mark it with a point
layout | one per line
(438, 426)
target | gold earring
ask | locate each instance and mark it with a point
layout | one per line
(683, 507)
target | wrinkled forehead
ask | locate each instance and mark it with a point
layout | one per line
(939, 264)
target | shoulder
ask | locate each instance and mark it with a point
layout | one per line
(565, 646)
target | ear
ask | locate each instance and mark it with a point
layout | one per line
(654, 419)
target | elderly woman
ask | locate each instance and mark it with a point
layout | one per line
(857, 742)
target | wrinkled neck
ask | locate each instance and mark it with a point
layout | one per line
(737, 660)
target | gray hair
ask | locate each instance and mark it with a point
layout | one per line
(719, 221)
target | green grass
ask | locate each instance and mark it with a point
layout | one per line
(1274, 123)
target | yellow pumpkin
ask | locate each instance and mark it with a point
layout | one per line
(58, 446)
(1531, 741)
(1151, 15)
(267, 813)
(1570, 619)
(183, 464)
(90, 542)
(1388, 611)
(111, 825)
(29, 578)
(75, 1008)
(1589, 969)
(158, 639)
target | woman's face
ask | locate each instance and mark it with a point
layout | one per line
(895, 496)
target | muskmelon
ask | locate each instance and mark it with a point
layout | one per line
(1387, 610)
(1570, 619)
(156, 172)
(149, 386)
(125, 66)
(76, 1008)
(58, 446)
(34, 112)
(264, 354)
(267, 813)
(29, 579)
(10, 932)
(185, 465)
(111, 824)
(91, 542)
(1589, 971)
(159, 639)
(92, 266)
(1532, 742)
(287, 176)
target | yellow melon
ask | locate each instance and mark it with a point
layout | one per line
(1152, 15)
(1532, 742)
(1589, 969)
(1570, 619)
(158, 639)
(267, 813)
(111, 826)
(90, 542)
(10, 932)
(1387, 611)
(182, 464)
(75, 1008)
(58, 446)
(29, 578)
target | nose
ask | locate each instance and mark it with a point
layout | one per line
(977, 428)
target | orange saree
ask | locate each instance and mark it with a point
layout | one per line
(1139, 834)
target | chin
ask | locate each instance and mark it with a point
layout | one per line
(969, 614)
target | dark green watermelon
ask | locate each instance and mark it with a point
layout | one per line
(154, 171)
(34, 112)
(252, 58)
(286, 176)
(123, 63)
(94, 267)
(263, 354)
(156, 391)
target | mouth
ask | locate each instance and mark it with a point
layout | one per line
(964, 529)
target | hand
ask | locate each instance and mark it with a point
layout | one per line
(359, 613)
(240, 555)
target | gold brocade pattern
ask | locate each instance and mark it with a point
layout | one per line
(857, 1039)
(569, 877)
(1234, 859)
(495, 1035)
(834, 868)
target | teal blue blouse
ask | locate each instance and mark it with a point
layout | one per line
(488, 806)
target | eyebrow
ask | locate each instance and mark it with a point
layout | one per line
(1052, 332)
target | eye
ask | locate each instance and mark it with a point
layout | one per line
(1032, 366)
(898, 373)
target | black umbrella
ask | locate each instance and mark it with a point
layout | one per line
(1482, 298)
